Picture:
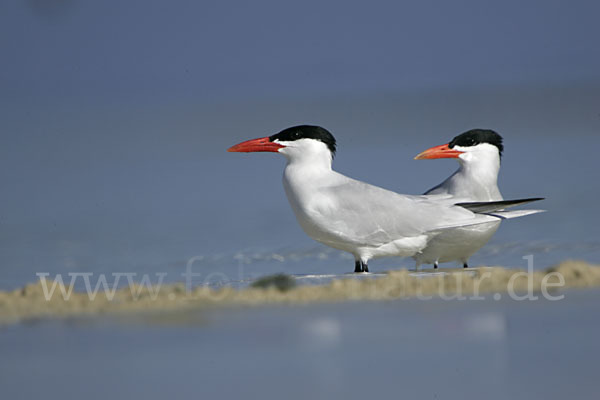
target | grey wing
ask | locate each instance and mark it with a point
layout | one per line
(366, 214)
(439, 189)
(442, 188)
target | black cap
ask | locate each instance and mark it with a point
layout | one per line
(478, 136)
(306, 132)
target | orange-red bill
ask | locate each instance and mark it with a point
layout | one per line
(442, 151)
(260, 144)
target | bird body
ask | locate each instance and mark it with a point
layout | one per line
(478, 152)
(364, 220)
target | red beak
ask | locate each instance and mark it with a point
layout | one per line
(442, 151)
(260, 144)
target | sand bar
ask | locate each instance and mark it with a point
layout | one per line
(33, 300)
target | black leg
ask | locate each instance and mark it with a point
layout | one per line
(435, 265)
(465, 265)
(358, 266)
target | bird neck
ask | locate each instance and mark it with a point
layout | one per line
(302, 179)
(305, 173)
(477, 177)
(315, 161)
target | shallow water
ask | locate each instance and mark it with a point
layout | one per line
(144, 198)
(426, 349)
(122, 190)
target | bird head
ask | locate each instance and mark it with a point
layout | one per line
(475, 144)
(295, 142)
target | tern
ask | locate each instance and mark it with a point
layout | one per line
(478, 152)
(353, 216)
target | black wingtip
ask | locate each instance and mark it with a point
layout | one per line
(491, 206)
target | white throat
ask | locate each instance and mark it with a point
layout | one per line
(309, 153)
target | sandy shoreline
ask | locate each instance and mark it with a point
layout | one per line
(33, 300)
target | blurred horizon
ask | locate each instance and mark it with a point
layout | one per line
(224, 51)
